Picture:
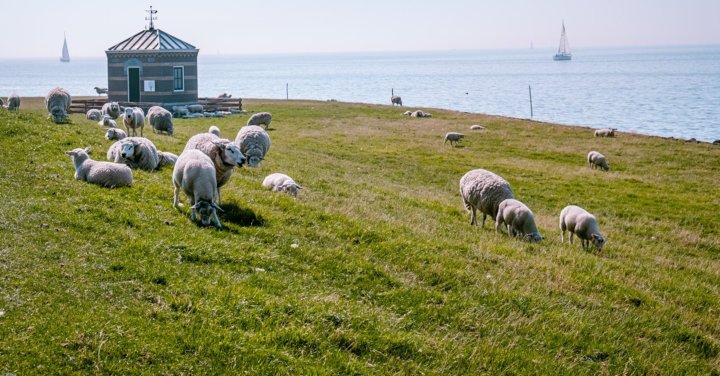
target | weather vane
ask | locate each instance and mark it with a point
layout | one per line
(151, 18)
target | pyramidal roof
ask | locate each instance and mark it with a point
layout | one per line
(152, 40)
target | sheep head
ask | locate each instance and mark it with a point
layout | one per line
(230, 153)
(127, 150)
(598, 241)
(58, 115)
(129, 113)
(207, 210)
(290, 188)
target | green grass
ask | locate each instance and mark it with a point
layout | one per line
(387, 276)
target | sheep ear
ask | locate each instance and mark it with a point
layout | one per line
(217, 207)
(88, 149)
(68, 152)
(299, 187)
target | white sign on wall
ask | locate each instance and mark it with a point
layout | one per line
(149, 85)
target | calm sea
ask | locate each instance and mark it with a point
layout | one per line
(668, 91)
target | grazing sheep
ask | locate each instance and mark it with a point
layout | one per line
(420, 114)
(395, 99)
(134, 118)
(195, 174)
(115, 134)
(100, 90)
(453, 137)
(160, 120)
(107, 122)
(595, 159)
(519, 219)
(260, 118)
(477, 127)
(167, 158)
(224, 154)
(136, 152)
(578, 221)
(112, 109)
(214, 130)
(254, 143)
(605, 132)
(57, 102)
(94, 114)
(105, 174)
(195, 108)
(281, 183)
(483, 190)
(13, 103)
(180, 111)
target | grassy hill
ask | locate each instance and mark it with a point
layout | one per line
(374, 268)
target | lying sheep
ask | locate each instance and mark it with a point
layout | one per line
(395, 99)
(136, 152)
(254, 143)
(407, 113)
(115, 134)
(180, 111)
(605, 132)
(483, 190)
(214, 130)
(94, 114)
(195, 108)
(420, 114)
(195, 174)
(519, 219)
(224, 154)
(107, 122)
(134, 118)
(579, 222)
(260, 118)
(57, 102)
(166, 158)
(281, 183)
(112, 109)
(160, 120)
(453, 137)
(105, 174)
(597, 160)
(13, 103)
(477, 127)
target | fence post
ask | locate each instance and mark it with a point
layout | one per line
(531, 106)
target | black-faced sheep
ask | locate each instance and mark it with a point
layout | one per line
(112, 109)
(395, 99)
(519, 219)
(281, 183)
(105, 174)
(134, 118)
(254, 143)
(160, 120)
(261, 118)
(578, 221)
(57, 102)
(597, 160)
(136, 152)
(483, 190)
(194, 173)
(224, 154)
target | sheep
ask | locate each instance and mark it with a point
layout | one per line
(254, 143)
(477, 127)
(453, 137)
(136, 152)
(420, 114)
(94, 115)
(112, 109)
(13, 103)
(134, 118)
(166, 158)
(260, 118)
(107, 121)
(579, 222)
(214, 130)
(224, 154)
(395, 99)
(605, 132)
(115, 134)
(100, 90)
(160, 120)
(597, 160)
(180, 111)
(105, 174)
(57, 102)
(195, 108)
(281, 183)
(519, 219)
(195, 174)
(407, 113)
(482, 189)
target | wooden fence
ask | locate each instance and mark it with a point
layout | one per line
(209, 104)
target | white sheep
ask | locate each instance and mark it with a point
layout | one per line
(180, 111)
(167, 158)
(605, 132)
(519, 219)
(214, 130)
(453, 137)
(281, 183)
(224, 154)
(115, 134)
(111, 109)
(420, 114)
(57, 102)
(579, 222)
(263, 118)
(477, 127)
(105, 174)
(195, 174)
(483, 190)
(597, 160)
(107, 121)
(254, 143)
(395, 99)
(94, 114)
(195, 108)
(13, 103)
(136, 152)
(134, 118)
(160, 120)
(407, 113)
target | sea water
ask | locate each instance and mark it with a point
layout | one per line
(663, 91)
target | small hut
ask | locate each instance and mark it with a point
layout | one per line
(152, 68)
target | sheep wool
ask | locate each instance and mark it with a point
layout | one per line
(278, 182)
(254, 143)
(519, 219)
(580, 222)
(194, 173)
(597, 160)
(260, 118)
(136, 152)
(57, 102)
(483, 190)
(160, 120)
(105, 174)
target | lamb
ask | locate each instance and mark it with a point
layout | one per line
(167, 158)
(101, 90)
(57, 102)
(195, 174)
(160, 120)
(134, 118)
(112, 109)
(136, 152)
(115, 134)
(254, 143)
(453, 137)
(579, 222)
(214, 130)
(482, 189)
(605, 132)
(597, 160)
(281, 183)
(13, 103)
(105, 174)
(395, 99)
(94, 115)
(260, 118)
(107, 122)
(224, 154)
(519, 219)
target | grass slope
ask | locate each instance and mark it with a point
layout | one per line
(387, 275)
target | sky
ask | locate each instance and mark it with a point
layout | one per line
(34, 28)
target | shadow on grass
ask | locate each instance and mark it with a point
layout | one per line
(240, 216)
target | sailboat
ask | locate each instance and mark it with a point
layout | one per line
(65, 54)
(564, 47)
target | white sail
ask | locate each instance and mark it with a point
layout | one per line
(563, 52)
(65, 54)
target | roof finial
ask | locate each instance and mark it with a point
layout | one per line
(151, 18)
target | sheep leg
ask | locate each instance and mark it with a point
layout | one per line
(216, 219)
(175, 199)
(473, 219)
(217, 194)
(141, 131)
(483, 221)
(571, 236)
(562, 236)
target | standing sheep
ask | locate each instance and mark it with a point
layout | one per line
(519, 219)
(136, 152)
(57, 102)
(281, 183)
(105, 174)
(483, 190)
(134, 118)
(94, 114)
(112, 109)
(13, 103)
(578, 221)
(224, 154)
(160, 120)
(254, 143)
(605, 132)
(260, 118)
(453, 137)
(115, 134)
(597, 160)
(395, 99)
(195, 174)
(214, 130)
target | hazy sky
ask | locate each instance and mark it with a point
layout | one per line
(34, 28)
